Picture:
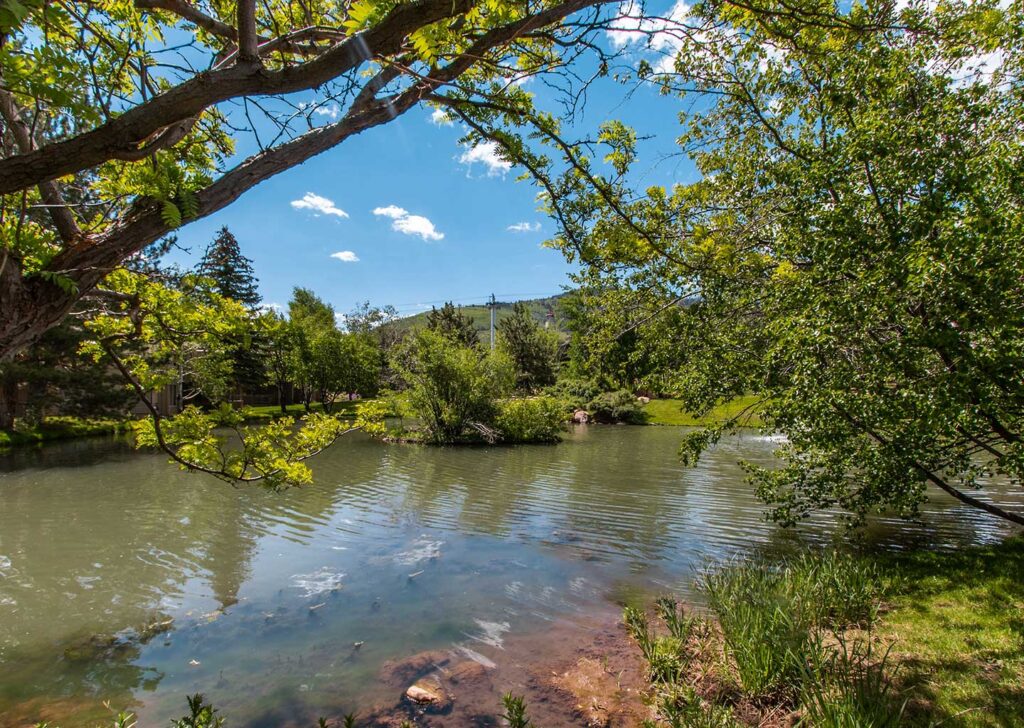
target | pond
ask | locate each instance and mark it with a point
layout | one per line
(125, 580)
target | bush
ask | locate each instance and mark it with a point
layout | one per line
(575, 393)
(451, 387)
(536, 419)
(620, 406)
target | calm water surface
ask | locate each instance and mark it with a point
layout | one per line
(125, 580)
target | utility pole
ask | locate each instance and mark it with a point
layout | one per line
(492, 305)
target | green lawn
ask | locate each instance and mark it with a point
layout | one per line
(61, 428)
(670, 412)
(958, 629)
(343, 407)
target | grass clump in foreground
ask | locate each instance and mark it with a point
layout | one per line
(777, 650)
(805, 641)
(671, 412)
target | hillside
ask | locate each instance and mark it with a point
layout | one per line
(542, 309)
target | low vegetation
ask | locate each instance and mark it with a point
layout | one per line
(833, 640)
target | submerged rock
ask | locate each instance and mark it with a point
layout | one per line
(413, 667)
(468, 671)
(429, 695)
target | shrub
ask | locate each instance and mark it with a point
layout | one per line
(536, 419)
(620, 406)
(575, 393)
(451, 387)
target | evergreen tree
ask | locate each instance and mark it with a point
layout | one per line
(233, 273)
(59, 380)
(451, 323)
(531, 348)
(234, 278)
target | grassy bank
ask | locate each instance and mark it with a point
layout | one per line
(60, 428)
(829, 640)
(671, 412)
(956, 624)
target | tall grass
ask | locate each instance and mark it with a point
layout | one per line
(769, 611)
(765, 630)
(847, 685)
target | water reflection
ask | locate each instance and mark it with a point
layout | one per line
(124, 579)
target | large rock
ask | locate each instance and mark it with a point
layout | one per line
(581, 417)
(429, 695)
(404, 671)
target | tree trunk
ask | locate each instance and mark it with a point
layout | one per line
(8, 404)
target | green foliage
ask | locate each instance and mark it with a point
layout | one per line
(231, 272)
(681, 707)
(515, 711)
(577, 393)
(156, 336)
(451, 389)
(765, 630)
(58, 380)
(451, 323)
(530, 419)
(849, 255)
(620, 406)
(201, 715)
(271, 453)
(532, 349)
(769, 611)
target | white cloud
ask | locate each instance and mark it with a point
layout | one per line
(346, 256)
(392, 211)
(408, 224)
(331, 111)
(440, 117)
(319, 205)
(486, 153)
(664, 34)
(524, 227)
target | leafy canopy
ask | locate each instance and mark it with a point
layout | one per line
(850, 254)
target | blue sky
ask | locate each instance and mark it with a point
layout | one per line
(453, 241)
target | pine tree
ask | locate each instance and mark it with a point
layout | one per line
(234, 278)
(533, 349)
(453, 324)
(231, 271)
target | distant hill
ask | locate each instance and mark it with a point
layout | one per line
(544, 310)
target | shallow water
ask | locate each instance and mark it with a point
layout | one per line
(123, 579)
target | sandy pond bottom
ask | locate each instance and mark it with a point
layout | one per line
(124, 581)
